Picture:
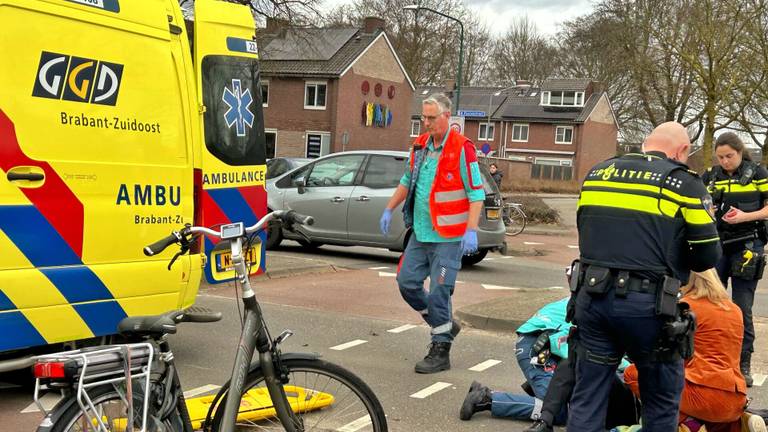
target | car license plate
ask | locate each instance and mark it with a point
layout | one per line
(224, 259)
(491, 214)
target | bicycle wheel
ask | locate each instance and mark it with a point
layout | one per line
(514, 220)
(112, 410)
(325, 397)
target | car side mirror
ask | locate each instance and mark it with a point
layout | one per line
(301, 184)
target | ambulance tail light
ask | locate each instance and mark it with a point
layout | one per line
(198, 211)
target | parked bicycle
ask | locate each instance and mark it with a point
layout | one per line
(514, 218)
(135, 386)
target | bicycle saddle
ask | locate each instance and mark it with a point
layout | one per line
(158, 325)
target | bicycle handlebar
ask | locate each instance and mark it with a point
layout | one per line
(288, 216)
(160, 245)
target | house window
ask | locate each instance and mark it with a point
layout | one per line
(270, 141)
(264, 93)
(552, 169)
(485, 132)
(415, 128)
(520, 132)
(318, 144)
(314, 95)
(564, 135)
(562, 98)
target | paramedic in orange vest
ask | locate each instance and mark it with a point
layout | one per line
(443, 193)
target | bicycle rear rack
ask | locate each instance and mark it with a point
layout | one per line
(111, 364)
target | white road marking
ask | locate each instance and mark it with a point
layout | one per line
(378, 268)
(573, 246)
(48, 400)
(200, 390)
(758, 380)
(460, 282)
(402, 328)
(434, 388)
(485, 365)
(385, 274)
(351, 344)
(490, 259)
(532, 243)
(355, 425)
(497, 287)
(506, 257)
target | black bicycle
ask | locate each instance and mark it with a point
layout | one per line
(135, 386)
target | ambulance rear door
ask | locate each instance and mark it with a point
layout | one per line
(234, 167)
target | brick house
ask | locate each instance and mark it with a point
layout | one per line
(556, 131)
(315, 83)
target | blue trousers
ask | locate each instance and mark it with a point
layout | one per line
(742, 291)
(524, 406)
(440, 262)
(609, 327)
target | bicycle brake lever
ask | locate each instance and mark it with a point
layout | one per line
(175, 257)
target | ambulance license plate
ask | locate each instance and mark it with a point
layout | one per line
(224, 259)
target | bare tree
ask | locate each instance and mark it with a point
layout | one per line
(523, 53)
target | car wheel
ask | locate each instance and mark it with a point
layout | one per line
(470, 260)
(274, 235)
(309, 245)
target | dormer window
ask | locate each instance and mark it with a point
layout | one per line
(562, 98)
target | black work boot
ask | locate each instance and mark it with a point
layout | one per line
(478, 399)
(539, 426)
(438, 359)
(746, 360)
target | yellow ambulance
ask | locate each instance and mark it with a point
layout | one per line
(116, 127)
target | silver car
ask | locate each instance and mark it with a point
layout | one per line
(347, 192)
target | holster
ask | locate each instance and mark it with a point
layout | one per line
(749, 269)
(573, 283)
(666, 297)
(677, 335)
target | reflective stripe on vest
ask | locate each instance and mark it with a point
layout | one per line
(453, 195)
(459, 218)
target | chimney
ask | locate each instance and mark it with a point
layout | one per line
(372, 24)
(450, 86)
(275, 25)
(522, 84)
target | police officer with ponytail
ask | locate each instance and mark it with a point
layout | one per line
(739, 189)
(643, 224)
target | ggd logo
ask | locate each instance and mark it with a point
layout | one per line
(60, 76)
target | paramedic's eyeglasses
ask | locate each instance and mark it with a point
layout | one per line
(430, 118)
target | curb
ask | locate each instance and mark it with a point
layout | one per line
(488, 323)
(545, 231)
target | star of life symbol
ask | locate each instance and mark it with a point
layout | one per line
(238, 113)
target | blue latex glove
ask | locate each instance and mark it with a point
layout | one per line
(469, 242)
(386, 221)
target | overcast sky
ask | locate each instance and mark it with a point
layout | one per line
(546, 14)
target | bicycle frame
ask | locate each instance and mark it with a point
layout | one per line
(253, 336)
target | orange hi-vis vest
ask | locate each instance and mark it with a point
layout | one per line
(448, 201)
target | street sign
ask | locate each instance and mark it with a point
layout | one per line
(464, 113)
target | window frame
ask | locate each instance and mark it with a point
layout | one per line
(418, 125)
(578, 98)
(487, 125)
(270, 131)
(527, 131)
(308, 84)
(566, 128)
(560, 162)
(306, 142)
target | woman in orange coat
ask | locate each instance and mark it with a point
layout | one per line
(715, 393)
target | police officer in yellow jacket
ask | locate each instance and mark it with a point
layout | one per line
(643, 224)
(739, 189)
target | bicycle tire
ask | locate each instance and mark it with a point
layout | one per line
(366, 414)
(101, 395)
(514, 220)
